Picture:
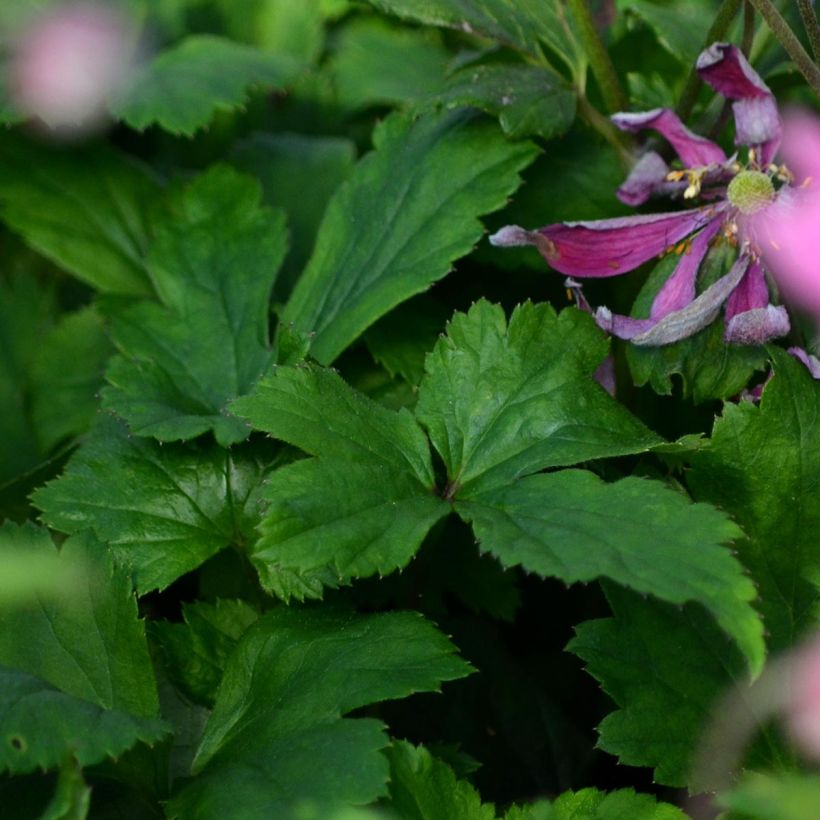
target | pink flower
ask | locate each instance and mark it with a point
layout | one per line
(787, 232)
(803, 708)
(69, 62)
(733, 192)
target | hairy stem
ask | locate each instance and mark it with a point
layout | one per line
(724, 18)
(809, 16)
(787, 38)
(599, 59)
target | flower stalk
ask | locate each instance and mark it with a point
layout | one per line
(812, 26)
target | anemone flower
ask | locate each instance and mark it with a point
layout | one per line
(732, 193)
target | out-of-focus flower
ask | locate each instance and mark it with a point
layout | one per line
(788, 230)
(803, 709)
(68, 63)
(734, 194)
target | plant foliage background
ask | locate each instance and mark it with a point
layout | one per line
(314, 507)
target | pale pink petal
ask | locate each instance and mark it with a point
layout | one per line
(609, 247)
(804, 706)
(757, 326)
(811, 362)
(695, 151)
(757, 121)
(647, 177)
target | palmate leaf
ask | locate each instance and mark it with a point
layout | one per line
(762, 465)
(213, 266)
(503, 400)
(90, 645)
(40, 726)
(87, 210)
(573, 526)
(520, 24)
(162, 510)
(528, 100)
(666, 668)
(182, 88)
(363, 506)
(409, 210)
(277, 736)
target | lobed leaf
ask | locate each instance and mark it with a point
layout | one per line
(90, 211)
(501, 401)
(213, 266)
(624, 804)
(277, 737)
(573, 526)
(762, 466)
(162, 510)
(40, 726)
(184, 86)
(410, 209)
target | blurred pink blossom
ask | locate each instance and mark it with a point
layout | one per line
(804, 706)
(69, 62)
(787, 232)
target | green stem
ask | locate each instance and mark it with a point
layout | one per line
(812, 26)
(599, 59)
(786, 37)
(747, 39)
(724, 18)
(594, 118)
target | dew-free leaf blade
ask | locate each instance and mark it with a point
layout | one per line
(213, 266)
(90, 645)
(329, 521)
(408, 211)
(163, 510)
(573, 526)
(88, 211)
(623, 804)
(667, 669)
(762, 466)
(183, 87)
(41, 725)
(425, 788)
(503, 400)
(277, 736)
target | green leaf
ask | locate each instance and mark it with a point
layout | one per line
(573, 526)
(786, 796)
(195, 652)
(213, 266)
(667, 669)
(500, 401)
(40, 725)
(624, 804)
(540, 810)
(162, 510)
(87, 210)
(27, 312)
(277, 737)
(66, 375)
(370, 60)
(408, 211)
(708, 367)
(298, 173)
(91, 646)
(521, 24)
(31, 567)
(183, 87)
(425, 788)
(332, 520)
(528, 100)
(364, 506)
(763, 467)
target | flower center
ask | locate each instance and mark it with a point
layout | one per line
(750, 191)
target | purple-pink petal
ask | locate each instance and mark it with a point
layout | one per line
(679, 289)
(757, 120)
(609, 247)
(695, 151)
(811, 362)
(751, 293)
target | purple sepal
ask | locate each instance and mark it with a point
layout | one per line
(757, 121)
(811, 362)
(605, 375)
(647, 177)
(624, 327)
(757, 326)
(695, 151)
(751, 293)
